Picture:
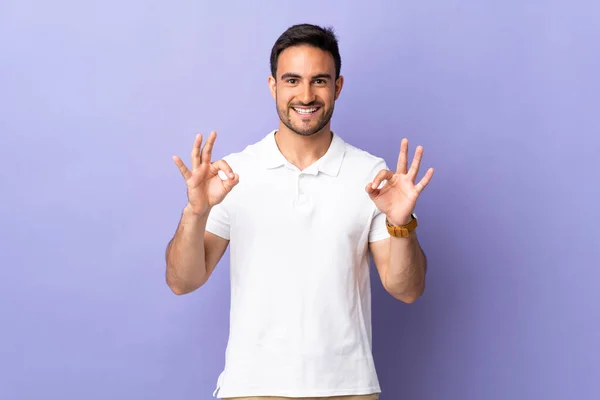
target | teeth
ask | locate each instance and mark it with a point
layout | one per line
(305, 111)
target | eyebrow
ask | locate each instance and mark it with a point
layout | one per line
(289, 75)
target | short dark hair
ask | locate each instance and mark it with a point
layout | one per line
(307, 34)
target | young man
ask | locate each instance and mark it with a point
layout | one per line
(301, 210)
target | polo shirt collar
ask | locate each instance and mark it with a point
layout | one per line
(329, 164)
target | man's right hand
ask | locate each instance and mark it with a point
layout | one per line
(205, 188)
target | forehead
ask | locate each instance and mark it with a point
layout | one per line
(305, 60)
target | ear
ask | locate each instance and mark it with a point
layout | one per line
(339, 83)
(273, 86)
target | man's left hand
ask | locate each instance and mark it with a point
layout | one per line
(398, 196)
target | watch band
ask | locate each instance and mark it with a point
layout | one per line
(403, 230)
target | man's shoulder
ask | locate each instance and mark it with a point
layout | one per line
(248, 155)
(363, 159)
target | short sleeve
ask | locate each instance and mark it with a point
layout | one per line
(378, 230)
(218, 221)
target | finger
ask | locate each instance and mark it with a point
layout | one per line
(416, 162)
(221, 165)
(230, 183)
(196, 152)
(207, 150)
(182, 168)
(372, 192)
(425, 181)
(384, 174)
(402, 157)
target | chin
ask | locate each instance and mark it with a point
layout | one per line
(302, 129)
(305, 132)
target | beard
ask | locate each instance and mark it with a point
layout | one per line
(305, 128)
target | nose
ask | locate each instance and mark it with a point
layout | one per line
(307, 95)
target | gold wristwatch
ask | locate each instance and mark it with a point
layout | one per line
(403, 230)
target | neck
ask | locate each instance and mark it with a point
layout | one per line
(303, 151)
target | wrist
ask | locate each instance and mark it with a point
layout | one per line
(192, 212)
(399, 220)
(401, 227)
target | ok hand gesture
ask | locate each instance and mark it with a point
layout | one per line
(205, 188)
(397, 198)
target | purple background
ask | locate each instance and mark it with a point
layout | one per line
(96, 97)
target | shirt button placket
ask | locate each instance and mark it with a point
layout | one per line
(301, 197)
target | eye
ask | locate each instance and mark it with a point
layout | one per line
(320, 81)
(291, 81)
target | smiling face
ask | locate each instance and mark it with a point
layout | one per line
(305, 90)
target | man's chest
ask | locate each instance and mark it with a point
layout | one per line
(301, 206)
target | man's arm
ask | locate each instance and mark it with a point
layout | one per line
(400, 261)
(402, 266)
(193, 253)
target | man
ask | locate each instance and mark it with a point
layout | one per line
(301, 210)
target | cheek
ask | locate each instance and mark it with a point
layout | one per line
(283, 98)
(328, 96)
(282, 105)
(281, 101)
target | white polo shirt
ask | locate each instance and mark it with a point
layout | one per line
(300, 318)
